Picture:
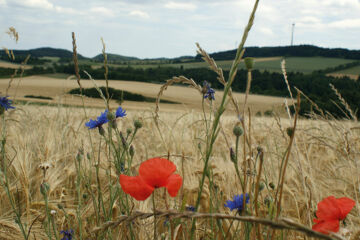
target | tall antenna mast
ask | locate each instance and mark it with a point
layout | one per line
(292, 34)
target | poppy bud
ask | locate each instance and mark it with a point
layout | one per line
(290, 131)
(238, 131)
(138, 124)
(272, 185)
(44, 188)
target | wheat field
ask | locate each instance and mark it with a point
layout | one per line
(61, 170)
(324, 162)
(186, 98)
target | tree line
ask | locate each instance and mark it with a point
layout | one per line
(288, 51)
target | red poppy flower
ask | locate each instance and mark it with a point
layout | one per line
(330, 212)
(153, 173)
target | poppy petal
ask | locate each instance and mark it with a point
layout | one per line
(136, 187)
(326, 227)
(174, 184)
(345, 204)
(156, 171)
(328, 209)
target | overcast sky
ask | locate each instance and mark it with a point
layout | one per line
(170, 28)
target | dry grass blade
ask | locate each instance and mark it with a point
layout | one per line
(13, 33)
(280, 224)
(75, 59)
(343, 102)
(106, 72)
(283, 69)
(180, 79)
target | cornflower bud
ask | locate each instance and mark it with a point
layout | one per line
(128, 131)
(44, 188)
(101, 130)
(261, 186)
(123, 140)
(238, 131)
(272, 185)
(60, 206)
(138, 124)
(110, 116)
(290, 131)
(132, 151)
(249, 63)
(113, 124)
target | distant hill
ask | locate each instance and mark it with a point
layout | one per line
(43, 52)
(288, 51)
(114, 57)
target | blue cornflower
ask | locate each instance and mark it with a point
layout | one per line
(237, 203)
(208, 91)
(5, 103)
(68, 234)
(120, 112)
(190, 208)
(102, 119)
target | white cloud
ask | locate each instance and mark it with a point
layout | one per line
(103, 11)
(181, 6)
(138, 13)
(266, 31)
(67, 10)
(309, 19)
(2, 2)
(346, 23)
(45, 4)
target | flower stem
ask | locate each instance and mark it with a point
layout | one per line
(155, 218)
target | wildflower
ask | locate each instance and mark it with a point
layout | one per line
(153, 173)
(238, 202)
(120, 112)
(330, 211)
(68, 234)
(102, 119)
(190, 208)
(208, 91)
(5, 103)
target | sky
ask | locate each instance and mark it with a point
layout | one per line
(170, 28)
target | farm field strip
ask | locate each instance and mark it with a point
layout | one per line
(189, 98)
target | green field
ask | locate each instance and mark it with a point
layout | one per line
(353, 70)
(293, 64)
